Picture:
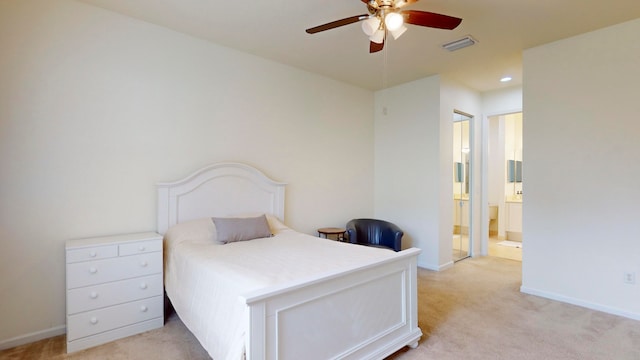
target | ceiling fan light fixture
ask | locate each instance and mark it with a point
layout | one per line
(377, 37)
(386, 15)
(398, 32)
(393, 21)
(371, 25)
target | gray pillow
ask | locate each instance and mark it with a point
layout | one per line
(240, 229)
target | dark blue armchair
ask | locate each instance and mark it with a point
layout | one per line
(373, 232)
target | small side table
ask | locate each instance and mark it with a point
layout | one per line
(328, 231)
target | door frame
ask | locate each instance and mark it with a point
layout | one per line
(472, 121)
(484, 178)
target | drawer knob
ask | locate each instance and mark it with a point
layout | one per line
(143, 308)
(93, 295)
(142, 248)
(143, 286)
(93, 253)
(93, 270)
(144, 263)
(93, 320)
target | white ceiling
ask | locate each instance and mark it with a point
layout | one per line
(275, 30)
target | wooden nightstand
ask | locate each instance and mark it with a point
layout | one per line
(114, 288)
(337, 232)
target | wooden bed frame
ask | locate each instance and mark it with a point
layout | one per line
(326, 317)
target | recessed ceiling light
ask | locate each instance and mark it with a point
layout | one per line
(506, 79)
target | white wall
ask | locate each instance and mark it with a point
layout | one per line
(502, 101)
(95, 108)
(456, 97)
(414, 162)
(496, 170)
(407, 122)
(581, 153)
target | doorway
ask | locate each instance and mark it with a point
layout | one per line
(461, 185)
(505, 185)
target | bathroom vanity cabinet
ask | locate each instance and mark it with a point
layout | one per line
(514, 220)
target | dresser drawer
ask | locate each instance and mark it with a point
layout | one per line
(140, 247)
(97, 321)
(91, 253)
(113, 269)
(113, 293)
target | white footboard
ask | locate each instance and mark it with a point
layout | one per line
(365, 313)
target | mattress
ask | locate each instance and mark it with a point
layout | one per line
(205, 281)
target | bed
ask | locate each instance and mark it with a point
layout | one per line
(286, 295)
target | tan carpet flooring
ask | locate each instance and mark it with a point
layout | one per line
(473, 310)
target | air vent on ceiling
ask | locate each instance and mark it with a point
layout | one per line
(460, 43)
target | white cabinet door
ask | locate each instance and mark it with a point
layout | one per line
(514, 216)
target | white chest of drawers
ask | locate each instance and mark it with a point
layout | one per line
(114, 288)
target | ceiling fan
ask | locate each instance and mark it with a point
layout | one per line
(385, 15)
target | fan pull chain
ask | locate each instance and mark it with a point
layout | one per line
(384, 66)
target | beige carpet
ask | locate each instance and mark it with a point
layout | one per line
(471, 311)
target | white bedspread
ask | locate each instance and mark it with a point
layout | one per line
(204, 281)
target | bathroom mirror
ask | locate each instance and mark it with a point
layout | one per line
(514, 171)
(458, 172)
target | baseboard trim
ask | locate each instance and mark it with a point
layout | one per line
(31, 337)
(436, 267)
(579, 302)
(445, 266)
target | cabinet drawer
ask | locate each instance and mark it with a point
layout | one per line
(118, 292)
(107, 270)
(91, 253)
(140, 247)
(97, 321)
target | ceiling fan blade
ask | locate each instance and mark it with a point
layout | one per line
(429, 19)
(374, 47)
(337, 23)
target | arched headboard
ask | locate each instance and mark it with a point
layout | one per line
(222, 189)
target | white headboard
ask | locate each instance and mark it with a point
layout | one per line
(223, 189)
